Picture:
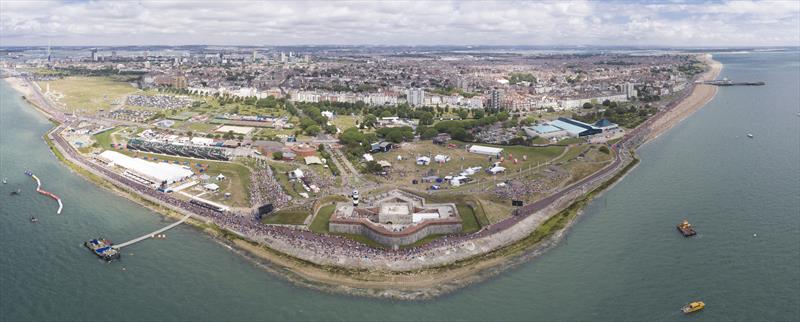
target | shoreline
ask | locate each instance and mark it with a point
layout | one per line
(426, 282)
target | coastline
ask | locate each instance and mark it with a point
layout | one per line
(700, 96)
(425, 282)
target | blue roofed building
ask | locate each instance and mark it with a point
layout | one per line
(545, 131)
(575, 128)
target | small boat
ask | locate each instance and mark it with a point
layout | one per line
(5, 180)
(686, 229)
(34, 219)
(750, 135)
(16, 192)
(693, 307)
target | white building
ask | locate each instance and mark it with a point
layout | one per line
(415, 96)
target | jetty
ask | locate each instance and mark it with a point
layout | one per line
(151, 235)
(44, 192)
(728, 82)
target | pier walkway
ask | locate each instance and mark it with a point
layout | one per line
(151, 235)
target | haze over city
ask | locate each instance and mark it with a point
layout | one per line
(626, 23)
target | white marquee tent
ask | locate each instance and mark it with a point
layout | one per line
(153, 171)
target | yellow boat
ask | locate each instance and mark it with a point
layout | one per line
(693, 307)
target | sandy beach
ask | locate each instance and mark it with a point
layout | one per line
(19, 85)
(701, 94)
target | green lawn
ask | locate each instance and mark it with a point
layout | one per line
(344, 122)
(200, 127)
(90, 94)
(469, 223)
(104, 139)
(568, 141)
(320, 222)
(288, 217)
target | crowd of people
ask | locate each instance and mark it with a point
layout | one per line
(265, 188)
(160, 101)
(520, 189)
(131, 115)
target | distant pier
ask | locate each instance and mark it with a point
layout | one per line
(728, 82)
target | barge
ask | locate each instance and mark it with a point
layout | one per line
(102, 248)
(686, 229)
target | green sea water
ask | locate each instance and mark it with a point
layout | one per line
(623, 260)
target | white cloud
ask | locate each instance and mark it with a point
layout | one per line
(397, 22)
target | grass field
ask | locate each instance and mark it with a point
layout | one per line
(288, 217)
(403, 171)
(320, 222)
(90, 94)
(344, 122)
(104, 139)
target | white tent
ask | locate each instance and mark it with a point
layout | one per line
(211, 187)
(496, 170)
(487, 150)
(423, 160)
(153, 171)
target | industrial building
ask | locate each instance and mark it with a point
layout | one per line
(563, 127)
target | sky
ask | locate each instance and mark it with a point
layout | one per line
(542, 23)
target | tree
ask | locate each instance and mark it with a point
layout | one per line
(479, 114)
(386, 113)
(373, 167)
(606, 103)
(462, 113)
(428, 133)
(426, 118)
(587, 105)
(369, 121)
(604, 149)
(278, 155)
(313, 130)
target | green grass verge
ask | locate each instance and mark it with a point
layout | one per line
(320, 222)
(288, 217)
(104, 139)
(469, 223)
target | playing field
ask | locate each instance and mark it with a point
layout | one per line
(89, 94)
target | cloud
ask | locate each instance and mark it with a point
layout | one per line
(734, 23)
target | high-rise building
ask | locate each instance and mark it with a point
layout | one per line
(283, 57)
(495, 99)
(630, 90)
(94, 54)
(113, 54)
(179, 81)
(415, 96)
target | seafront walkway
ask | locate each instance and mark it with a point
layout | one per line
(153, 234)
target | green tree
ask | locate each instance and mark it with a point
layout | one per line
(277, 155)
